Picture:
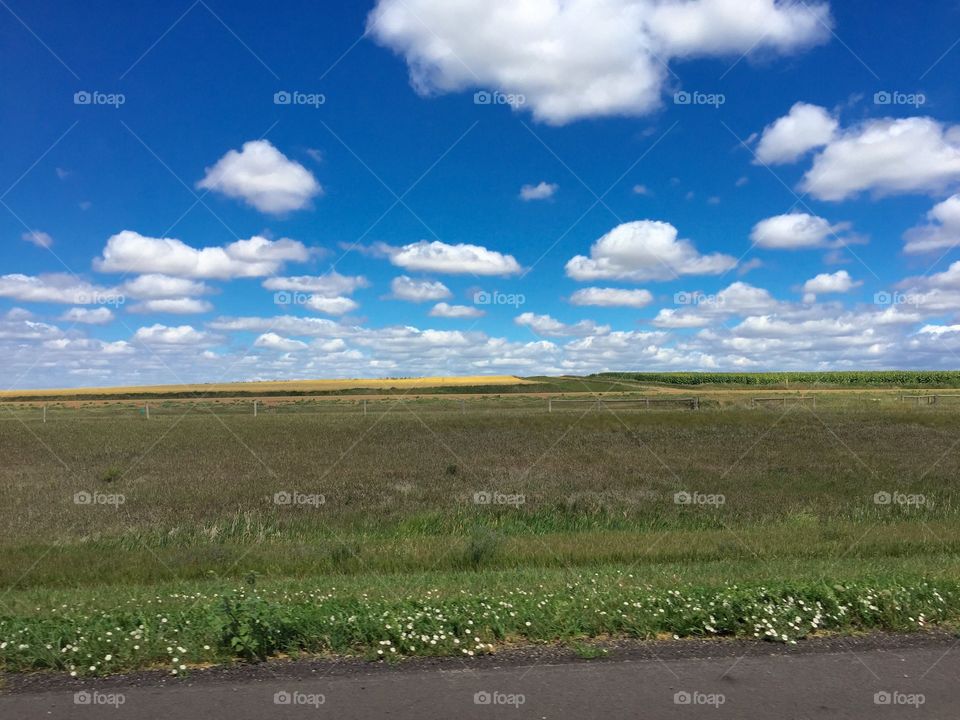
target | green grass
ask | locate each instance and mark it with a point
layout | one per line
(589, 521)
(183, 627)
(849, 379)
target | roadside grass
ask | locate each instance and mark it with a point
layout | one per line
(444, 614)
(467, 526)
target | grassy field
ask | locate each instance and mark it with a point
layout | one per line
(277, 386)
(314, 527)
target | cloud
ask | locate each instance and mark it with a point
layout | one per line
(38, 238)
(641, 190)
(645, 250)
(541, 191)
(406, 288)
(838, 282)
(804, 128)
(308, 326)
(56, 288)
(263, 177)
(445, 310)
(440, 257)
(938, 329)
(331, 305)
(612, 297)
(547, 326)
(87, 316)
(14, 325)
(794, 231)
(272, 341)
(129, 251)
(331, 284)
(886, 157)
(699, 309)
(749, 265)
(165, 335)
(175, 306)
(941, 232)
(580, 58)
(156, 285)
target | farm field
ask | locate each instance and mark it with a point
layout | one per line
(451, 525)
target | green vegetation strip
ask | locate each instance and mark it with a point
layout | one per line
(182, 630)
(850, 379)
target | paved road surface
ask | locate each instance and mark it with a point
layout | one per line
(912, 682)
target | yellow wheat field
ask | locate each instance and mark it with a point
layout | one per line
(280, 386)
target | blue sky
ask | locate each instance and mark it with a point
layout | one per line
(705, 185)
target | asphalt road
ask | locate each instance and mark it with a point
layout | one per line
(908, 682)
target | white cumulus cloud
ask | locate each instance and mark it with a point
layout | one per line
(330, 285)
(804, 128)
(406, 288)
(941, 232)
(129, 251)
(550, 327)
(838, 282)
(541, 191)
(886, 157)
(461, 258)
(581, 58)
(272, 341)
(174, 306)
(165, 335)
(645, 250)
(88, 316)
(263, 177)
(445, 310)
(612, 297)
(794, 231)
(38, 238)
(338, 305)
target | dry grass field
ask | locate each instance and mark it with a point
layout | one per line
(285, 386)
(299, 529)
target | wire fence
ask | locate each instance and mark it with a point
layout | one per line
(147, 409)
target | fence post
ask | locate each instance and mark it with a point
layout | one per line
(549, 405)
(463, 407)
(44, 413)
(254, 408)
(364, 407)
(146, 407)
